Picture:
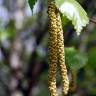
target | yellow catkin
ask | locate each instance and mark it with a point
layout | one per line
(61, 56)
(52, 48)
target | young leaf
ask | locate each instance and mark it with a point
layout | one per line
(32, 3)
(74, 12)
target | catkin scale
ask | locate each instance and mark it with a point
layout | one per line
(61, 55)
(52, 47)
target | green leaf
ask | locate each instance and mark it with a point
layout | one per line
(32, 3)
(64, 20)
(74, 59)
(74, 12)
(92, 58)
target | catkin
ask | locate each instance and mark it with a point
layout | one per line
(56, 50)
(61, 56)
(52, 47)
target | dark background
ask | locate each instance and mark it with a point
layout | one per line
(24, 45)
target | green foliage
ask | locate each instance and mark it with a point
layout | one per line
(64, 20)
(6, 34)
(74, 59)
(74, 12)
(92, 58)
(3, 35)
(32, 3)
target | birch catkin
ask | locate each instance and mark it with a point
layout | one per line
(56, 50)
(61, 56)
(52, 47)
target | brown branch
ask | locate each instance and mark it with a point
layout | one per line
(93, 20)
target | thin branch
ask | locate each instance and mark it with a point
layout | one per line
(93, 21)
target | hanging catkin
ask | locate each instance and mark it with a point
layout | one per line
(56, 50)
(61, 56)
(52, 47)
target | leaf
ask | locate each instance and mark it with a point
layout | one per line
(32, 3)
(74, 59)
(74, 12)
(92, 58)
(64, 20)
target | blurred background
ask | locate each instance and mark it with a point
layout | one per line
(24, 47)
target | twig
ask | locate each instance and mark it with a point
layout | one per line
(93, 21)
